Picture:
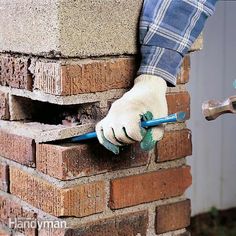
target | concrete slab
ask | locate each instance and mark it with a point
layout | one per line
(42, 132)
(29, 26)
(69, 28)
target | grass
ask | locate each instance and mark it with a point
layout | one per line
(214, 223)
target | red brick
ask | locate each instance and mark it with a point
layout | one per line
(81, 200)
(4, 177)
(174, 145)
(148, 187)
(124, 225)
(4, 232)
(84, 76)
(4, 106)
(183, 76)
(87, 76)
(17, 148)
(14, 72)
(10, 209)
(179, 102)
(70, 161)
(173, 216)
(61, 78)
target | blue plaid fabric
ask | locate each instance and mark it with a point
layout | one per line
(168, 28)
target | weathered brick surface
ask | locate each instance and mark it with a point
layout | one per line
(4, 232)
(4, 177)
(14, 72)
(81, 200)
(84, 77)
(17, 148)
(4, 106)
(137, 189)
(59, 78)
(75, 160)
(173, 216)
(9, 209)
(174, 145)
(124, 225)
(71, 78)
(183, 76)
(178, 102)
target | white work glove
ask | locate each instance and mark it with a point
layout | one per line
(122, 125)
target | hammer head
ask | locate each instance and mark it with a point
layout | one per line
(212, 109)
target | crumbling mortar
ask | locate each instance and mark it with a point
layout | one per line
(151, 222)
(56, 55)
(65, 100)
(173, 233)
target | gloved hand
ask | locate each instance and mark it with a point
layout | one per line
(122, 125)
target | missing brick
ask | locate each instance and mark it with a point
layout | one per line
(25, 109)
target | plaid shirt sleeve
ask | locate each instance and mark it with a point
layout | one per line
(168, 28)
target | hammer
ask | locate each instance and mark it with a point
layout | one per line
(212, 109)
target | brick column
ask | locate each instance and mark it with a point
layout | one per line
(62, 63)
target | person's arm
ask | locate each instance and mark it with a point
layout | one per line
(168, 28)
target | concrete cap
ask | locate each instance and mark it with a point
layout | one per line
(69, 28)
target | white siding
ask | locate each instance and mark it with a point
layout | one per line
(214, 143)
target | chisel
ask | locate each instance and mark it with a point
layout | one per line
(177, 117)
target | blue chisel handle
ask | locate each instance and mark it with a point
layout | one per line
(177, 117)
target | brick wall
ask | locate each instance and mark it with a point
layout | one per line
(83, 185)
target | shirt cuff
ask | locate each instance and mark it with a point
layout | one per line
(161, 62)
